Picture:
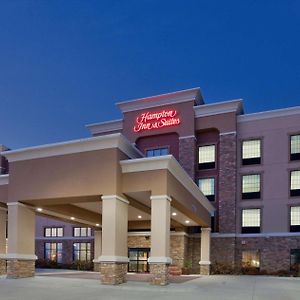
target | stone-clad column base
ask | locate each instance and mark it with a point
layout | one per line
(159, 274)
(20, 268)
(113, 273)
(205, 269)
(2, 267)
(97, 266)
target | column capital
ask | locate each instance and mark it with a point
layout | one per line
(161, 197)
(114, 197)
(205, 229)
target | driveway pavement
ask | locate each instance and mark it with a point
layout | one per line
(208, 288)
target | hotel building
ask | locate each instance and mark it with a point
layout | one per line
(174, 183)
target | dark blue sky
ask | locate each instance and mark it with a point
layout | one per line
(64, 64)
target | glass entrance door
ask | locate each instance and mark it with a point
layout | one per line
(138, 260)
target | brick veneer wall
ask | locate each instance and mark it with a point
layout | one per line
(223, 251)
(227, 183)
(187, 154)
(274, 251)
(178, 247)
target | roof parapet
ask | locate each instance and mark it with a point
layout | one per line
(193, 94)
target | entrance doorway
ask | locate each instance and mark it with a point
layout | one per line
(138, 260)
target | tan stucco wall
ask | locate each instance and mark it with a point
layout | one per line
(80, 174)
(21, 230)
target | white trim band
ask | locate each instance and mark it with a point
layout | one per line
(160, 260)
(115, 140)
(16, 256)
(4, 179)
(113, 259)
(114, 197)
(160, 197)
(204, 262)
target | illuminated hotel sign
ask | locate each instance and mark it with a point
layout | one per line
(156, 120)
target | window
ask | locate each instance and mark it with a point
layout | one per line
(295, 260)
(207, 187)
(250, 259)
(295, 147)
(157, 152)
(251, 186)
(295, 219)
(207, 157)
(54, 232)
(295, 183)
(53, 252)
(251, 152)
(82, 231)
(251, 220)
(82, 251)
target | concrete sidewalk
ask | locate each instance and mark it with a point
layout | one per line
(208, 288)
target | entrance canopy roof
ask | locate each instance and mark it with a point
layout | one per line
(68, 179)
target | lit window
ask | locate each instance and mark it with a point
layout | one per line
(251, 152)
(54, 232)
(295, 219)
(207, 187)
(207, 157)
(251, 220)
(295, 183)
(295, 147)
(82, 251)
(251, 186)
(53, 252)
(250, 259)
(157, 152)
(82, 231)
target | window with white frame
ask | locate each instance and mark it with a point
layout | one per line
(82, 231)
(251, 152)
(207, 187)
(53, 252)
(207, 157)
(81, 251)
(295, 147)
(251, 220)
(295, 183)
(295, 219)
(53, 232)
(251, 186)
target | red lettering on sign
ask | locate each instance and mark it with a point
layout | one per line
(156, 120)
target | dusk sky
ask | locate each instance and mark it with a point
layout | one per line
(65, 63)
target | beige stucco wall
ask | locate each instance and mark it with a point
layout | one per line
(80, 174)
(21, 230)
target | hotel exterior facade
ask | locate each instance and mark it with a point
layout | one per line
(175, 183)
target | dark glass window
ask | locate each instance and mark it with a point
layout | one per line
(53, 252)
(251, 220)
(82, 251)
(53, 232)
(251, 152)
(295, 260)
(251, 186)
(295, 183)
(207, 157)
(295, 219)
(207, 187)
(295, 147)
(82, 231)
(157, 152)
